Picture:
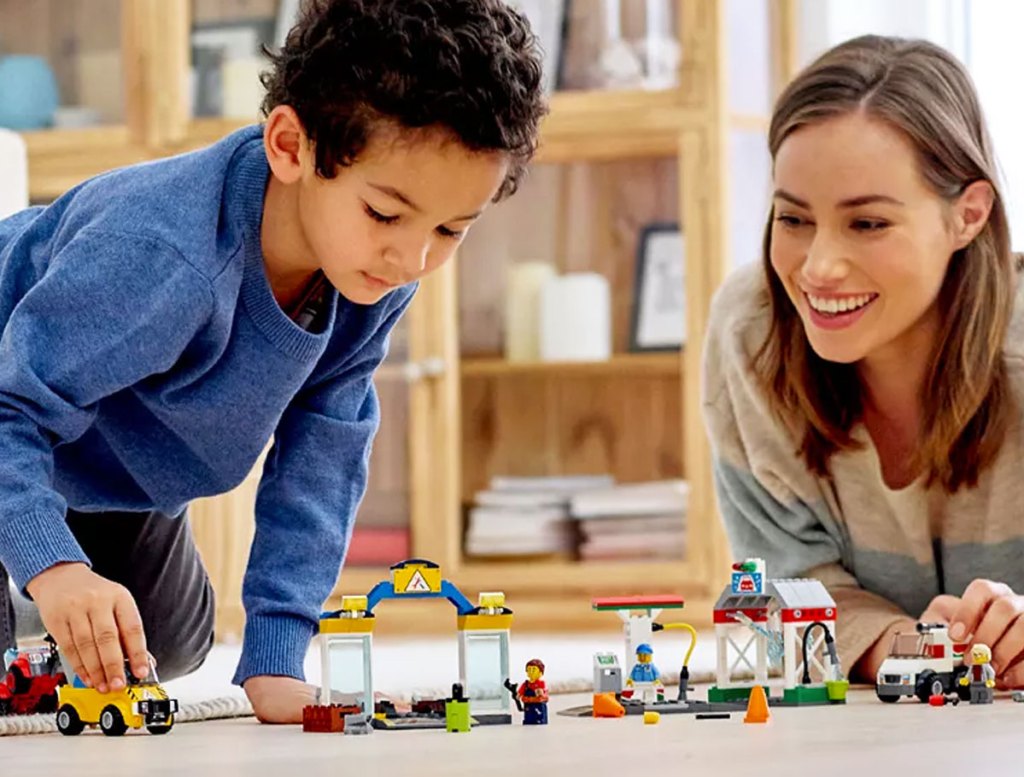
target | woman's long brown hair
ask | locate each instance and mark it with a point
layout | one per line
(925, 93)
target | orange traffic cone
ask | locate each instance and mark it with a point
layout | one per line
(757, 706)
(607, 706)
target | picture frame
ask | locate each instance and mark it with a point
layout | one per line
(549, 20)
(659, 293)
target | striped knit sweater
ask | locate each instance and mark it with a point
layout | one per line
(872, 546)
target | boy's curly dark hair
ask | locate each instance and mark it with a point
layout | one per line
(472, 67)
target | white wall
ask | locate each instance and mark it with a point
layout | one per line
(984, 34)
(824, 23)
(993, 57)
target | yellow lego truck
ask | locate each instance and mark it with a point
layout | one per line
(140, 703)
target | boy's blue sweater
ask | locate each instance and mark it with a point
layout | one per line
(144, 362)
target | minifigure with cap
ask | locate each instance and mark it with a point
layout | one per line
(645, 676)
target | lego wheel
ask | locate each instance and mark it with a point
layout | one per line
(888, 698)
(161, 728)
(47, 704)
(68, 722)
(112, 721)
(17, 681)
(928, 684)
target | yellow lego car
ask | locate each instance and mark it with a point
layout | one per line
(140, 703)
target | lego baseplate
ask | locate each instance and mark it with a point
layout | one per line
(661, 707)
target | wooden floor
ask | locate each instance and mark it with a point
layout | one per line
(862, 738)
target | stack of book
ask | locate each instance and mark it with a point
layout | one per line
(632, 521)
(527, 516)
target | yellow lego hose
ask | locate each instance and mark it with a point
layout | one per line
(693, 638)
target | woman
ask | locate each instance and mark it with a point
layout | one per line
(862, 388)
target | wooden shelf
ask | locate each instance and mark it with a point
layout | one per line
(581, 126)
(645, 364)
(604, 125)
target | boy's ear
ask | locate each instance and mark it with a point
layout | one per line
(286, 144)
(972, 210)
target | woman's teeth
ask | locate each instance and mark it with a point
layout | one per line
(834, 306)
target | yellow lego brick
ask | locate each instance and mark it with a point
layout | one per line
(492, 600)
(485, 622)
(416, 578)
(347, 625)
(354, 603)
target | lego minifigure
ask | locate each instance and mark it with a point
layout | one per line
(981, 676)
(645, 676)
(534, 695)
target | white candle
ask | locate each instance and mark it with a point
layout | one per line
(612, 19)
(576, 318)
(522, 310)
(13, 173)
(657, 20)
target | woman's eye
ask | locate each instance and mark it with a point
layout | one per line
(870, 225)
(378, 216)
(788, 220)
(452, 233)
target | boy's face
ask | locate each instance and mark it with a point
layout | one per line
(397, 213)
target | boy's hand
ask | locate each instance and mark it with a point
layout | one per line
(91, 619)
(990, 614)
(277, 699)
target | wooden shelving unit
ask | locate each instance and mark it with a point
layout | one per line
(632, 364)
(582, 126)
(689, 124)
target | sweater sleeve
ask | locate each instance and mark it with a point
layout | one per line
(771, 506)
(110, 310)
(312, 484)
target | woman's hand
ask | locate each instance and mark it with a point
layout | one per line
(990, 614)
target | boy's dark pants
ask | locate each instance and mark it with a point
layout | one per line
(155, 558)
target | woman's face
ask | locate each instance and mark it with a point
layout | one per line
(859, 240)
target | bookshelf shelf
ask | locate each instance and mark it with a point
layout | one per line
(581, 126)
(667, 364)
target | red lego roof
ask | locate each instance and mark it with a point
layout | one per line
(660, 602)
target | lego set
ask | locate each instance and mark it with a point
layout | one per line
(775, 619)
(346, 653)
(788, 624)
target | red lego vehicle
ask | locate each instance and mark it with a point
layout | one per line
(31, 680)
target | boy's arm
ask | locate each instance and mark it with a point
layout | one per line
(312, 484)
(110, 310)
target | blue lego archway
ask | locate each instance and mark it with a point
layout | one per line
(428, 574)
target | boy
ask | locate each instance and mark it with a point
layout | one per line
(160, 323)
